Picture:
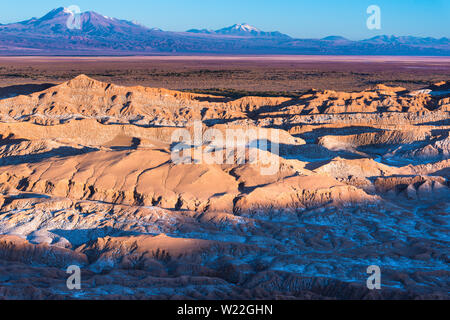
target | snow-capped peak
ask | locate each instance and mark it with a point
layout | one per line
(72, 10)
(245, 27)
(242, 29)
(246, 30)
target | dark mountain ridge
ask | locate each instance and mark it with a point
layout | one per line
(60, 32)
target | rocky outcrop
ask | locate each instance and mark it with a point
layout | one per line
(13, 248)
(87, 177)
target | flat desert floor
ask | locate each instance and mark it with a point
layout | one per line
(235, 75)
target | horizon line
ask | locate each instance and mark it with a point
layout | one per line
(204, 28)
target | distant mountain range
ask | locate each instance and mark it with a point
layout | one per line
(242, 30)
(91, 33)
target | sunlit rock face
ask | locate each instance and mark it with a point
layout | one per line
(87, 178)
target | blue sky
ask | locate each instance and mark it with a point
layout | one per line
(298, 18)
